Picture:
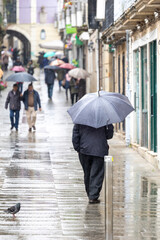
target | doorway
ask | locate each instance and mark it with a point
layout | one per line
(153, 100)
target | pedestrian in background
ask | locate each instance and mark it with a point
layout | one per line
(92, 146)
(5, 62)
(19, 63)
(61, 77)
(30, 67)
(66, 84)
(14, 101)
(49, 80)
(81, 88)
(74, 90)
(31, 101)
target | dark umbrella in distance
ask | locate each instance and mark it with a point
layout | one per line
(54, 68)
(20, 77)
(2, 47)
(100, 109)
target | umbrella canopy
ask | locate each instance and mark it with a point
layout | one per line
(67, 66)
(59, 54)
(1, 73)
(78, 73)
(3, 47)
(57, 62)
(65, 59)
(49, 54)
(18, 69)
(20, 77)
(100, 109)
(55, 45)
(54, 68)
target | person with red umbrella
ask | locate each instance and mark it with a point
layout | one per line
(19, 68)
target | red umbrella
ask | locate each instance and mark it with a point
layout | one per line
(18, 69)
(67, 66)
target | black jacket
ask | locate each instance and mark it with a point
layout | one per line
(92, 141)
(13, 100)
(81, 88)
(49, 76)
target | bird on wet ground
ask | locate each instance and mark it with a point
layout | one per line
(14, 209)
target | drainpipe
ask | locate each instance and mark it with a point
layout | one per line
(128, 93)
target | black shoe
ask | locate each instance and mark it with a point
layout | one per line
(16, 129)
(30, 130)
(94, 201)
(12, 127)
(34, 128)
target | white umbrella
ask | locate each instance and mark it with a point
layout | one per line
(78, 73)
(55, 45)
(58, 54)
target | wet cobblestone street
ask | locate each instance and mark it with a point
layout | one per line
(42, 172)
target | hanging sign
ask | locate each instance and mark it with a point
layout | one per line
(70, 29)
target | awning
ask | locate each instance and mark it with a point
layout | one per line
(55, 45)
(84, 36)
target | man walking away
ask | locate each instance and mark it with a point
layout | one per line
(13, 99)
(49, 80)
(31, 101)
(81, 88)
(30, 67)
(74, 90)
(92, 146)
(5, 63)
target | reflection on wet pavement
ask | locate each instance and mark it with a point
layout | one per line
(136, 195)
(41, 170)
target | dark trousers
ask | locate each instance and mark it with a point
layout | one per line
(74, 98)
(93, 168)
(67, 89)
(50, 90)
(14, 117)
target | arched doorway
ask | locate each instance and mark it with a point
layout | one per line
(26, 44)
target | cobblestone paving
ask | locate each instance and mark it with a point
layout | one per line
(42, 171)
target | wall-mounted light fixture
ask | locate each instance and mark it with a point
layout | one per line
(113, 37)
(156, 14)
(138, 27)
(146, 20)
(90, 46)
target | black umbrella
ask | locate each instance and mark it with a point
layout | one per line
(3, 46)
(54, 68)
(65, 59)
(21, 77)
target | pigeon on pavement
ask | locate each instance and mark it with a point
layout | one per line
(14, 209)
